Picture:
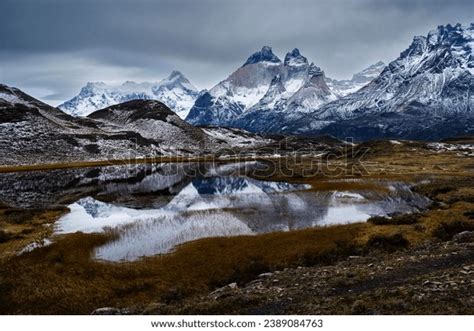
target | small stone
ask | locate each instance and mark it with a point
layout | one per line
(223, 292)
(265, 275)
(232, 286)
(418, 297)
(275, 281)
(353, 257)
(370, 265)
(465, 236)
(388, 268)
(106, 311)
(426, 282)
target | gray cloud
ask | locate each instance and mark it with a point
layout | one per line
(51, 48)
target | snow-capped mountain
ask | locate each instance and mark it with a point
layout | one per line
(307, 91)
(238, 92)
(263, 84)
(426, 93)
(346, 86)
(175, 91)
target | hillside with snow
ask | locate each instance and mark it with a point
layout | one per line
(427, 93)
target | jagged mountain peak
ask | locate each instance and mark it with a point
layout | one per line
(174, 79)
(264, 55)
(453, 42)
(294, 58)
(253, 90)
(176, 74)
(448, 33)
(95, 84)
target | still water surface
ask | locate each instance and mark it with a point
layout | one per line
(153, 208)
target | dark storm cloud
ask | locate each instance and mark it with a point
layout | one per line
(52, 47)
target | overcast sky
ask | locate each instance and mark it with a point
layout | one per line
(50, 48)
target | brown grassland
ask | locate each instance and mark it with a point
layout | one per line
(63, 279)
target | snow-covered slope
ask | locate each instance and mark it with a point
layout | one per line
(152, 120)
(344, 87)
(34, 132)
(248, 97)
(236, 137)
(280, 105)
(174, 91)
(426, 93)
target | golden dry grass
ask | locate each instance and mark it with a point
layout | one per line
(63, 279)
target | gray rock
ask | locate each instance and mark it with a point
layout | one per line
(224, 291)
(107, 311)
(465, 236)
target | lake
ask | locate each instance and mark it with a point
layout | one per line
(154, 208)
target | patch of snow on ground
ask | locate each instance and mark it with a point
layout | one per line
(12, 98)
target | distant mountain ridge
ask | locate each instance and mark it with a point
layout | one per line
(346, 86)
(427, 93)
(175, 91)
(247, 95)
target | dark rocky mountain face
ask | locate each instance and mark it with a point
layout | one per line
(265, 55)
(427, 93)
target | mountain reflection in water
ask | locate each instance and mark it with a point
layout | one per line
(154, 208)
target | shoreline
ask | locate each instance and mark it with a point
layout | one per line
(105, 163)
